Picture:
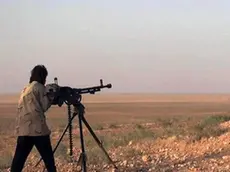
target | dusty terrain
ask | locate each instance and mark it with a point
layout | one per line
(141, 132)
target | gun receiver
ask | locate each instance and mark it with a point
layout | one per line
(71, 95)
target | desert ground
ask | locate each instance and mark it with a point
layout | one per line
(141, 132)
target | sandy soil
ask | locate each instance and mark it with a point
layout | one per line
(127, 98)
(141, 108)
(133, 107)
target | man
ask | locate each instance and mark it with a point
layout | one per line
(31, 126)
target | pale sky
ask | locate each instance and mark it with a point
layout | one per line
(159, 46)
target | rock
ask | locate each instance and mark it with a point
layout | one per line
(125, 163)
(146, 158)
(172, 138)
(130, 143)
(226, 157)
(114, 170)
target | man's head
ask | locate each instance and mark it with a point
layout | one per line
(39, 74)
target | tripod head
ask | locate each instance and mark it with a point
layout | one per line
(73, 96)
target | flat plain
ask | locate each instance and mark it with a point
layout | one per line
(126, 122)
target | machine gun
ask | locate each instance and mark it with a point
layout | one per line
(73, 96)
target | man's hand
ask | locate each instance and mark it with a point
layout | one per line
(52, 91)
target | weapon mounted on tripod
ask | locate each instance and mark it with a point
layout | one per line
(72, 96)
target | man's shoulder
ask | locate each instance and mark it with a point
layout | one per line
(36, 86)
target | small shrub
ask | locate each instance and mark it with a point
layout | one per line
(61, 151)
(98, 127)
(115, 141)
(176, 126)
(131, 152)
(5, 159)
(96, 156)
(209, 127)
(214, 120)
(165, 122)
(194, 127)
(113, 126)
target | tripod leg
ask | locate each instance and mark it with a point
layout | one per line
(98, 141)
(70, 134)
(60, 138)
(83, 155)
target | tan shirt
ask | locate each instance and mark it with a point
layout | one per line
(32, 105)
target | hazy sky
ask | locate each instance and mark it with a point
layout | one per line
(178, 46)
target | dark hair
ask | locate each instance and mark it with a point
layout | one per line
(39, 74)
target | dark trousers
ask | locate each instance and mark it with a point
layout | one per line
(24, 147)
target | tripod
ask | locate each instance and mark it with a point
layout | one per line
(79, 110)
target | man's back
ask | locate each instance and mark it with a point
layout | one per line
(32, 105)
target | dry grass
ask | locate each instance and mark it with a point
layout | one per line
(119, 119)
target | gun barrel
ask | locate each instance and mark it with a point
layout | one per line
(91, 90)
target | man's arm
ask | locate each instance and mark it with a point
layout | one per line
(44, 100)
